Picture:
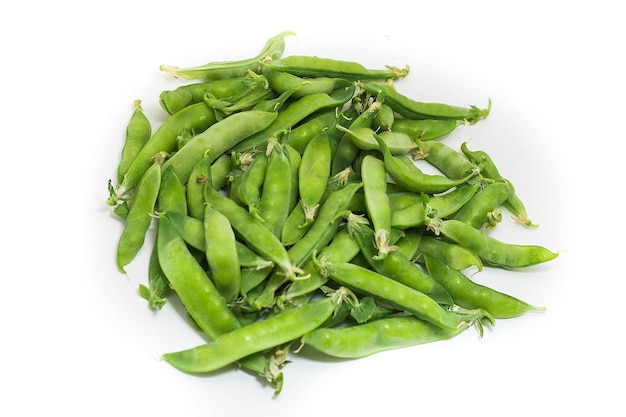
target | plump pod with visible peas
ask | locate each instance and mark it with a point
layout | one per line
(261, 335)
(469, 294)
(490, 249)
(376, 336)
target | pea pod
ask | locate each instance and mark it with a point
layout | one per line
(293, 114)
(281, 81)
(221, 254)
(197, 118)
(230, 89)
(139, 216)
(314, 172)
(314, 66)
(252, 183)
(138, 132)
(452, 254)
(252, 231)
(199, 177)
(412, 109)
(397, 294)
(449, 161)
(407, 175)
(273, 49)
(426, 129)
(277, 188)
(361, 340)
(218, 139)
(469, 294)
(480, 209)
(399, 143)
(259, 336)
(377, 202)
(490, 249)
(399, 268)
(488, 168)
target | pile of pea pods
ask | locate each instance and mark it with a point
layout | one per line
(289, 212)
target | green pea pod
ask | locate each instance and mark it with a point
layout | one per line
(400, 268)
(139, 215)
(399, 295)
(158, 287)
(198, 178)
(220, 170)
(449, 161)
(221, 254)
(399, 143)
(412, 109)
(232, 89)
(426, 129)
(342, 248)
(314, 173)
(252, 231)
(138, 132)
(384, 118)
(273, 49)
(277, 189)
(488, 169)
(490, 249)
(197, 118)
(407, 175)
(217, 139)
(252, 183)
(304, 132)
(199, 296)
(347, 150)
(282, 81)
(361, 340)
(469, 294)
(478, 209)
(172, 194)
(314, 66)
(452, 254)
(259, 336)
(377, 202)
(294, 113)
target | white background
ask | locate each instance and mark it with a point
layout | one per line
(78, 340)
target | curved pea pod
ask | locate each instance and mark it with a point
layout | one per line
(217, 139)
(281, 81)
(452, 163)
(412, 109)
(399, 143)
(488, 169)
(273, 49)
(384, 118)
(196, 118)
(304, 132)
(221, 254)
(426, 129)
(230, 89)
(252, 231)
(376, 336)
(400, 268)
(401, 296)
(294, 113)
(220, 170)
(158, 288)
(469, 294)
(314, 66)
(258, 336)
(484, 206)
(452, 254)
(407, 175)
(139, 215)
(492, 251)
(138, 132)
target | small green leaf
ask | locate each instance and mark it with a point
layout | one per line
(364, 310)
